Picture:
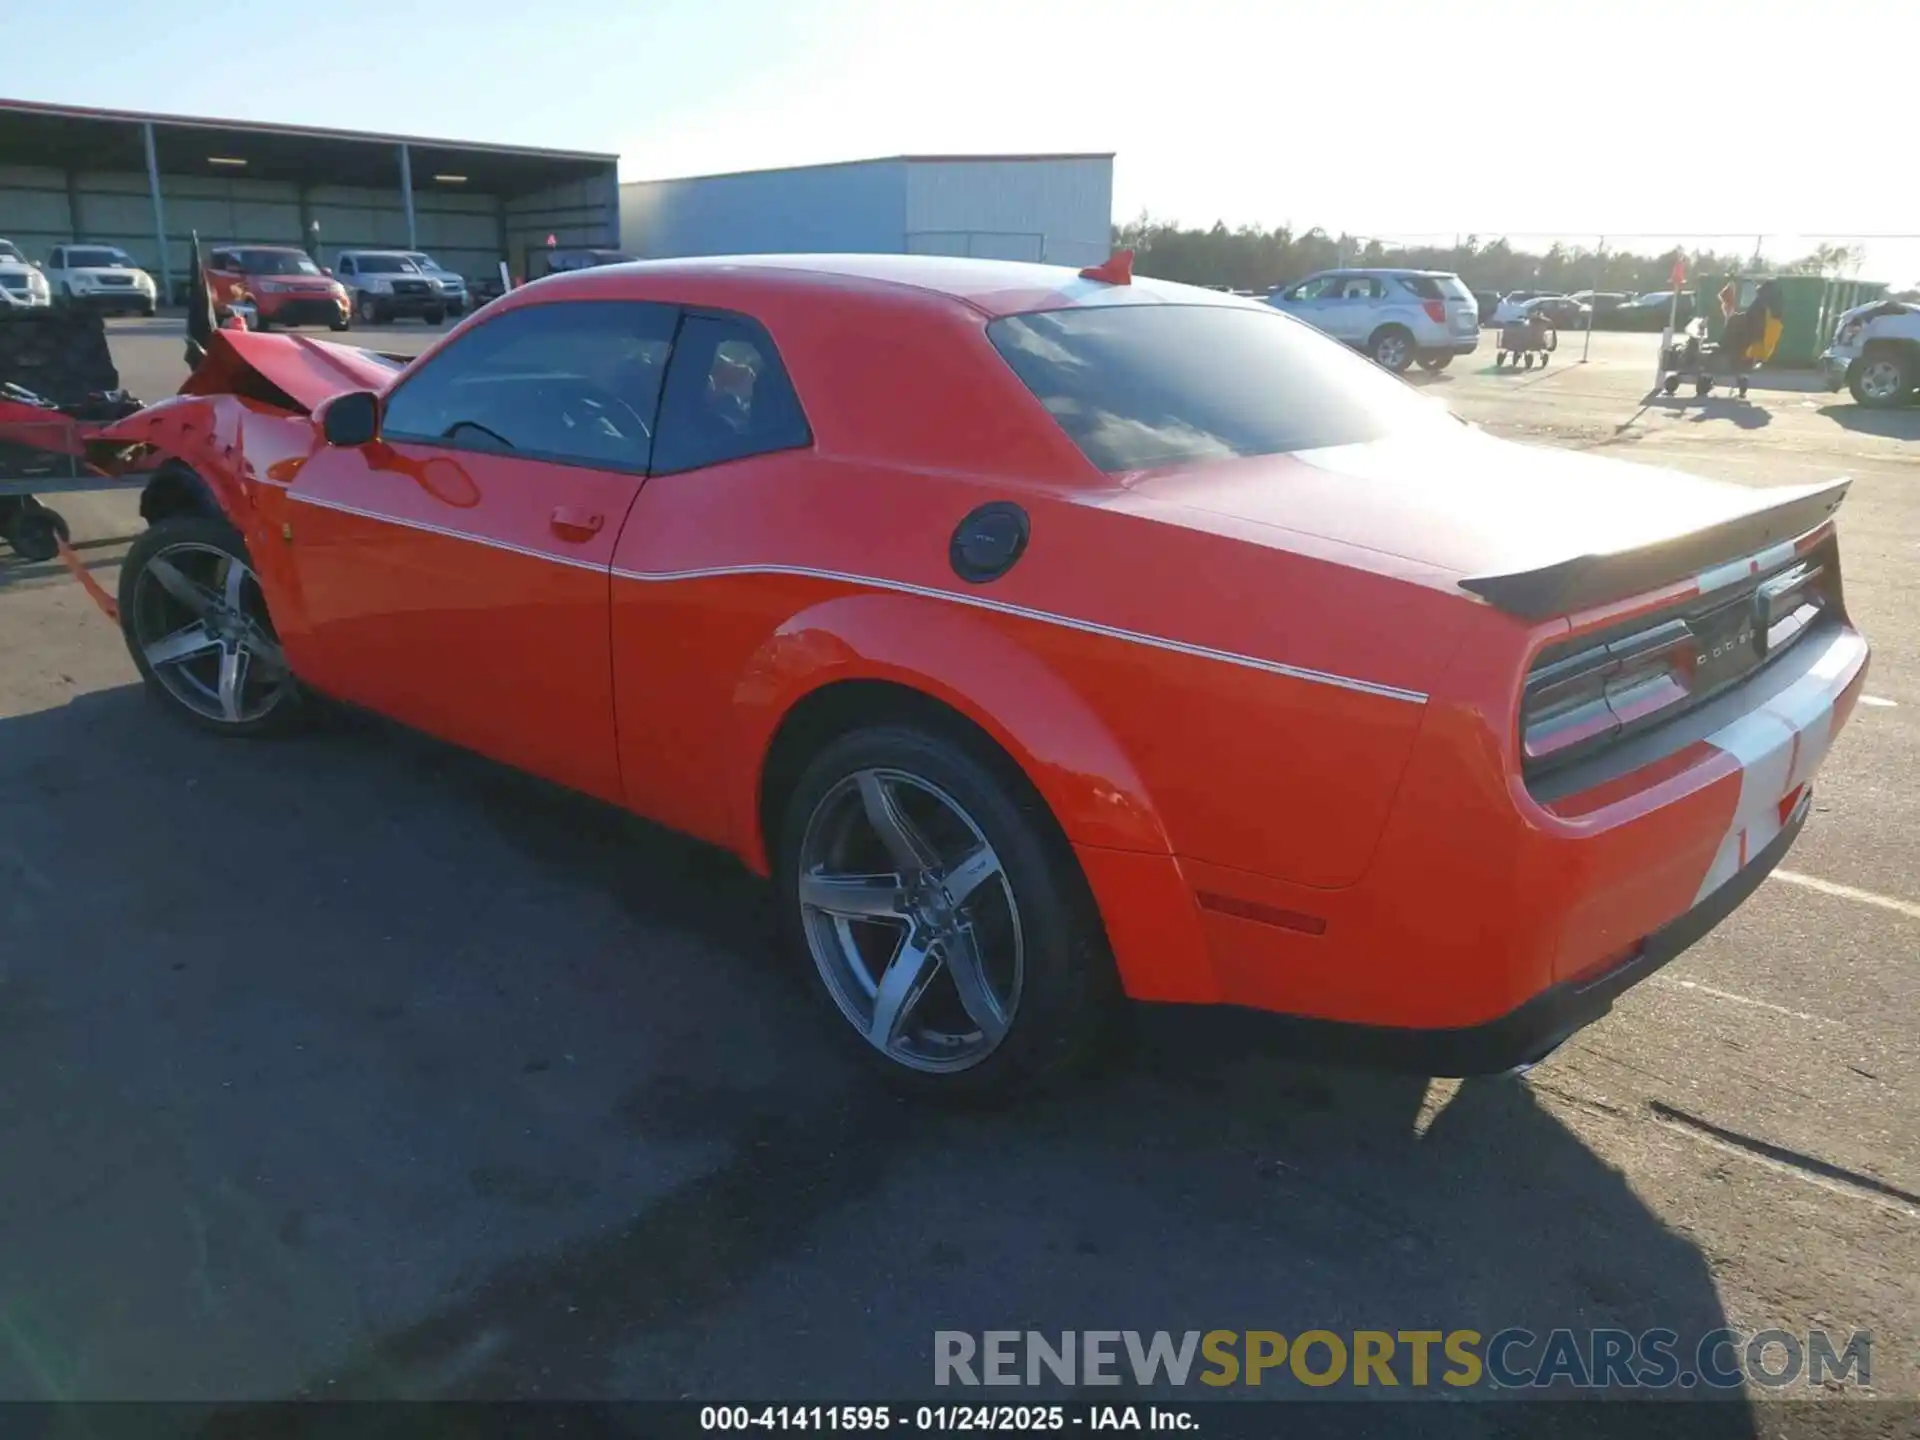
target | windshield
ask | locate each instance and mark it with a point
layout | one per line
(9, 251)
(1142, 386)
(276, 262)
(385, 265)
(423, 260)
(96, 257)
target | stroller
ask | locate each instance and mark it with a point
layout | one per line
(1748, 341)
(1521, 340)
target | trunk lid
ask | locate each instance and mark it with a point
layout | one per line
(1532, 530)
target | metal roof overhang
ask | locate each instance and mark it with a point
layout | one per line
(75, 138)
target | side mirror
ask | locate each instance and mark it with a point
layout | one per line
(325, 270)
(352, 419)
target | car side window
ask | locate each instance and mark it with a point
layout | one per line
(1361, 287)
(57, 260)
(1319, 288)
(727, 397)
(576, 382)
(344, 265)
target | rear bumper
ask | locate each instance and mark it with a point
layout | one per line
(116, 301)
(1524, 1035)
(1491, 923)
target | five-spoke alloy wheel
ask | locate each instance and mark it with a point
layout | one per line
(196, 624)
(943, 916)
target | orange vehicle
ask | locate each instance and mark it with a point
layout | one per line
(1048, 638)
(282, 284)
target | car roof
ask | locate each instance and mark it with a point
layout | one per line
(994, 287)
(398, 254)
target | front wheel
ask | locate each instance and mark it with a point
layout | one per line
(944, 919)
(195, 621)
(434, 317)
(1393, 348)
(369, 313)
(1880, 381)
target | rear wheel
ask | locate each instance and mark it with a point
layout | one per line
(1881, 380)
(1392, 346)
(944, 919)
(1434, 364)
(195, 621)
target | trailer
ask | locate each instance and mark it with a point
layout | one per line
(58, 388)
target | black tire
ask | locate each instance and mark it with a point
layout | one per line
(343, 323)
(150, 309)
(1701, 388)
(1526, 362)
(1069, 991)
(1434, 364)
(1391, 346)
(1671, 384)
(366, 310)
(260, 322)
(215, 532)
(35, 532)
(1882, 378)
(435, 317)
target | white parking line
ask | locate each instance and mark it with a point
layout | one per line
(1694, 985)
(1879, 701)
(1848, 892)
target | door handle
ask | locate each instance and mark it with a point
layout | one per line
(573, 524)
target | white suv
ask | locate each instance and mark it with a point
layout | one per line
(1396, 316)
(1876, 353)
(22, 286)
(101, 277)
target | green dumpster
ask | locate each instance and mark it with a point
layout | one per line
(1812, 306)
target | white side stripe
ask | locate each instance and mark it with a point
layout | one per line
(442, 530)
(870, 582)
(1045, 617)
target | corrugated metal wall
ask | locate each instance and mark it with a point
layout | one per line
(41, 207)
(848, 209)
(585, 212)
(33, 208)
(1058, 211)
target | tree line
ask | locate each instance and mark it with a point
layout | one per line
(1251, 258)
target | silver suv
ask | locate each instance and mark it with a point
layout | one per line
(1396, 316)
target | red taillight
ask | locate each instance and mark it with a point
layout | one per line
(1436, 311)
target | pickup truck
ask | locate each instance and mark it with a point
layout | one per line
(1876, 353)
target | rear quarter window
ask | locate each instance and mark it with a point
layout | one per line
(1425, 286)
(1139, 387)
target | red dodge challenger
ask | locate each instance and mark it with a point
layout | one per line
(1048, 637)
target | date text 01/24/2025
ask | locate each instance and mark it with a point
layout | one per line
(981, 1419)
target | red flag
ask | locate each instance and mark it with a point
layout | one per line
(1678, 276)
(551, 242)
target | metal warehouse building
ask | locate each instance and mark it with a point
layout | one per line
(1054, 208)
(145, 182)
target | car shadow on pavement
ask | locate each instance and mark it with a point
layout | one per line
(1893, 424)
(1744, 414)
(356, 1067)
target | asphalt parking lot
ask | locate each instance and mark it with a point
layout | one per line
(355, 1066)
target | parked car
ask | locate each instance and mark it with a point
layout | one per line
(779, 594)
(1510, 309)
(452, 285)
(386, 285)
(281, 282)
(1876, 353)
(1488, 301)
(552, 262)
(101, 277)
(1650, 312)
(1396, 316)
(1601, 302)
(22, 285)
(1563, 312)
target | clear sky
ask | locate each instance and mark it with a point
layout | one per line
(1641, 120)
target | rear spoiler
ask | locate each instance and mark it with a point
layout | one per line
(1589, 580)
